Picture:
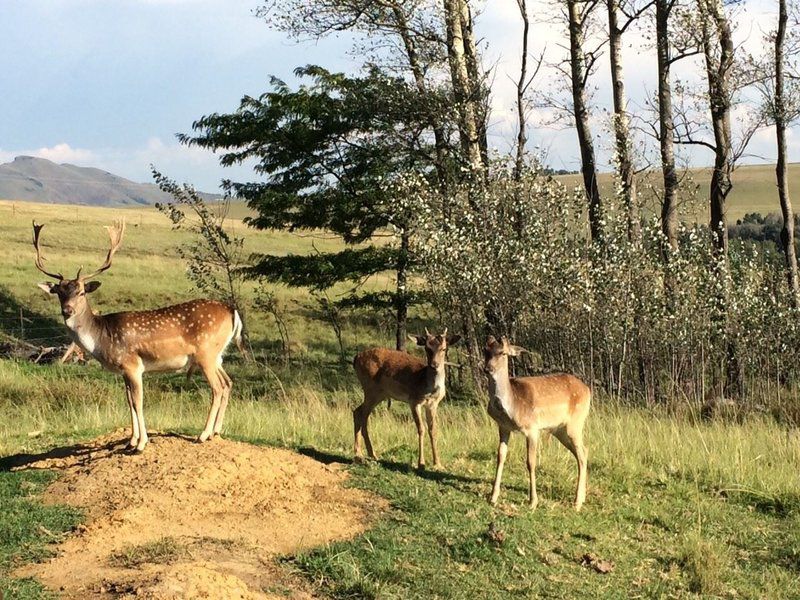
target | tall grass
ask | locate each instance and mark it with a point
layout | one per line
(757, 458)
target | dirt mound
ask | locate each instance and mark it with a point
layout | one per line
(187, 520)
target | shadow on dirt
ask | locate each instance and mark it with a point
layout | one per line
(84, 454)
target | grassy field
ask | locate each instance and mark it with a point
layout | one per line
(146, 273)
(754, 190)
(682, 508)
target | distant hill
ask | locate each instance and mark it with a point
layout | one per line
(41, 180)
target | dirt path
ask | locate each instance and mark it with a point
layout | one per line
(187, 520)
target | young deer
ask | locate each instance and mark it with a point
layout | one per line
(165, 339)
(557, 403)
(387, 373)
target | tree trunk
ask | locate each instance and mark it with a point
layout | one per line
(401, 298)
(718, 52)
(439, 137)
(522, 137)
(478, 95)
(669, 208)
(718, 72)
(621, 126)
(787, 232)
(588, 163)
(469, 128)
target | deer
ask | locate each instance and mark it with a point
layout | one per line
(385, 373)
(130, 343)
(557, 403)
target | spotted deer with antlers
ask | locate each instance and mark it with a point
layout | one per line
(385, 373)
(130, 343)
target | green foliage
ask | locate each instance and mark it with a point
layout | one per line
(760, 228)
(326, 150)
(214, 256)
(323, 270)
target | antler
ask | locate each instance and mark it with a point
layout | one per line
(39, 258)
(115, 232)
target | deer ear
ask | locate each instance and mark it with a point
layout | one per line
(47, 287)
(453, 339)
(515, 350)
(421, 340)
(90, 286)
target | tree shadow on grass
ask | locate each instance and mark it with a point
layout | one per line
(439, 476)
(325, 457)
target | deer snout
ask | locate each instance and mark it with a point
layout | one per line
(67, 311)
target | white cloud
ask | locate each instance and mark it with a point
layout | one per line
(189, 164)
(59, 153)
(63, 152)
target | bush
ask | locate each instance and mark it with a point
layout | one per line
(514, 258)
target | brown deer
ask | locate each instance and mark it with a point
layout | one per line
(557, 403)
(165, 339)
(385, 373)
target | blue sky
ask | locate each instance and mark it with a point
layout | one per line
(108, 83)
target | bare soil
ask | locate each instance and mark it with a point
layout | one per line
(189, 520)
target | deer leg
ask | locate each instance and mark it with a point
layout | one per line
(416, 411)
(134, 419)
(361, 425)
(137, 394)
(226, 394)
(573, 441)
(533, 443)
(430, 419)
(217, 387)
(358, 426)
(502, 452)
(368, 408)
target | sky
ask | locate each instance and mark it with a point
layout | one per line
(108, 83)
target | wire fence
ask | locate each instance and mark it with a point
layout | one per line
(28, 328)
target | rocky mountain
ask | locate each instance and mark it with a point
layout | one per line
(41, 180)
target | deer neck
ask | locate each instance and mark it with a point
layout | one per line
(86, 329)
(500, 391)
(434, 378)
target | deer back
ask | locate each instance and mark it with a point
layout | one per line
(166, 338)
(549, 401)
(392, 373)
